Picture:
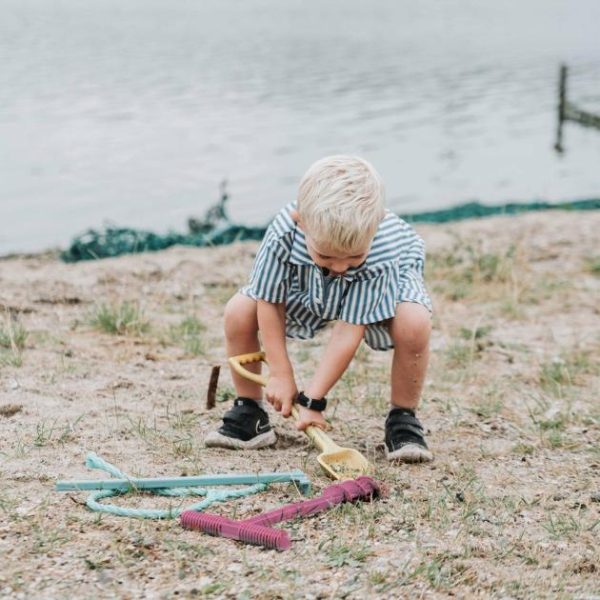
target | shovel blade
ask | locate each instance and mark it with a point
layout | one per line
(344, 463)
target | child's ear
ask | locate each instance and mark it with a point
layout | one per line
(295, 217)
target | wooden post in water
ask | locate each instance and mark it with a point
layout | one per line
(562, 101)
(567, 111)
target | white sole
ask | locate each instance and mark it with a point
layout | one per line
(410, 453)
(217, 440)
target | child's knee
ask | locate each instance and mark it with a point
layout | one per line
(411, 327)
(240, 315)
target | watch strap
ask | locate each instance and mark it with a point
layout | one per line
(303, 400)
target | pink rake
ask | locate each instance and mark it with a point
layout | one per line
(257, 530)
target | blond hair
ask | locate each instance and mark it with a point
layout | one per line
(341, 202)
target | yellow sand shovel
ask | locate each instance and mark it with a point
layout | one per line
(337, 462)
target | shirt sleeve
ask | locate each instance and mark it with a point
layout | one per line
(374, 294)
(269, 277)
(411, 284)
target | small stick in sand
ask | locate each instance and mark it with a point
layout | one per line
(211, 394)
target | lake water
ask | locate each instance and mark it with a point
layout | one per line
(133, 111)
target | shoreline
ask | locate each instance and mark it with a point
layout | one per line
(211, 231)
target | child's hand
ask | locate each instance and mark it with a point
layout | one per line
(309, 418)
(281, 391)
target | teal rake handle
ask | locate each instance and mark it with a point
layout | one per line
(299, 478)
(173, 487)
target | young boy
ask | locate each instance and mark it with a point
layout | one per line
(335, 255)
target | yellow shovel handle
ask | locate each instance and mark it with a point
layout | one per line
(236, 363)
(319, 438)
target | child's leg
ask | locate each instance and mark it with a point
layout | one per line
(241, 337)
(246, 425)
(410, 330)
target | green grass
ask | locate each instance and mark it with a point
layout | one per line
(566, 370)
(460, 355)
(125, 318)
(565, 526)
(487, 407)
(475, 334)
(443, 570)
(8, 504)
(189, 334)
(466, 269)
(220, 293)
(523, 449)
(225, 393)
(13, 337)
(492, 267)
(593, 265)
(340, 555)
(11, 359)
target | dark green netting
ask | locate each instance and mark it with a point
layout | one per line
(215, 229)
(474, 210)
(115, 241)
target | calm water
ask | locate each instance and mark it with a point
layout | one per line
(132, 112)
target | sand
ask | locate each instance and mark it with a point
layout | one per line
(508, 509)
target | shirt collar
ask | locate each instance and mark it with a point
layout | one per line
(300, 256)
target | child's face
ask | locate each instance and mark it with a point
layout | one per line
(327, 258)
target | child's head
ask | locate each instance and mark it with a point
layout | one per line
(340, 206)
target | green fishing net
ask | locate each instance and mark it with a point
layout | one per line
(216, 229)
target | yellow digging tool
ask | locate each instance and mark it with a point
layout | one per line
(337, 462)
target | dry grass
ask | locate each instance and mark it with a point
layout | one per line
(12, 341)
(509, 508)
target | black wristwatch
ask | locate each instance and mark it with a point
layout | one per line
(303, 400)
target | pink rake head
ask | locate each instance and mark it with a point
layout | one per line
(236, 530)
(257, 530)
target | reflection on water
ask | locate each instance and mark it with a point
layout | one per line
(134, 111)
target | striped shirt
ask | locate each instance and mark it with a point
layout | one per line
(284, 272)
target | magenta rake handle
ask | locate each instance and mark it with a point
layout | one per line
(257, 530)
(351, 490)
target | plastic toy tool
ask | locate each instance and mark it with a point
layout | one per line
(257, 530)
(298, 478)
(174, 487)
(338, 462)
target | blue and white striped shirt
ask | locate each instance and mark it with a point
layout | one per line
(365, 295)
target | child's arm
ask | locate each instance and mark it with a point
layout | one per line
(340, 350)
(344, 341)
(281, 390)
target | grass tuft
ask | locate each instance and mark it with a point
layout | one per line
(12, 342)
(593, 265)
(189, 335)
(566, 370)
(126, 318)
(460, 356)
(475, 334)
(340, 555)
(466, 270)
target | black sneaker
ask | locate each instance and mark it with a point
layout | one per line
(404, 439)
(245, 426)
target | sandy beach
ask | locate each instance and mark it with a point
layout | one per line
(510, 507)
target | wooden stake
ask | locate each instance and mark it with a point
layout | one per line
(211, 394)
